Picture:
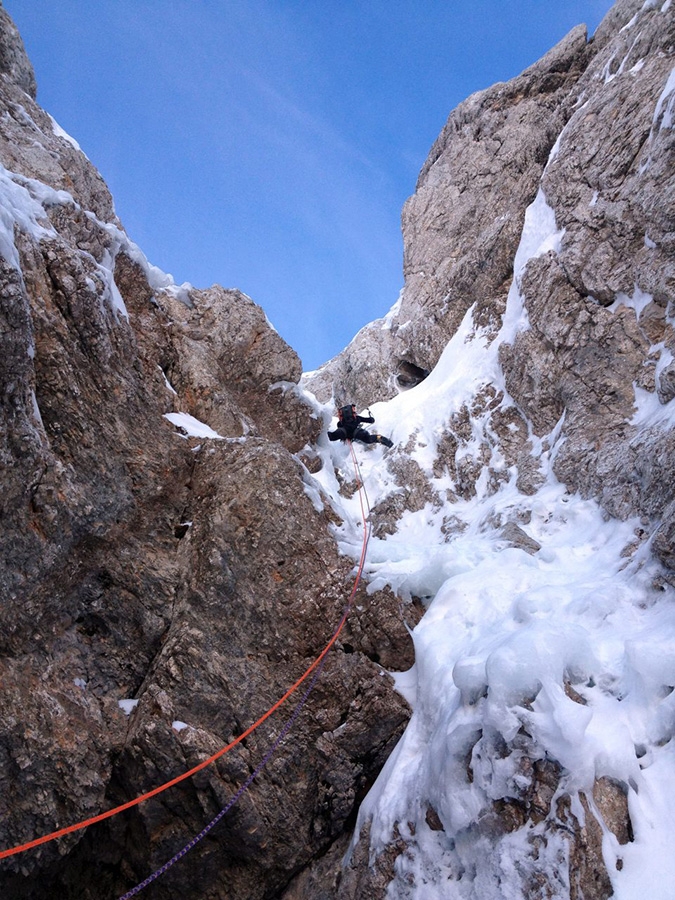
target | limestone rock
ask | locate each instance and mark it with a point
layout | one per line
(462, 226)
(31, 142)
(589, 126)
(193, 578)
(516, 537)
(14, 64)
(229, 358)
(560, 852)
(196, 577)
(599, 308)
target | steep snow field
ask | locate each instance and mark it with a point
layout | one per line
(573, 645)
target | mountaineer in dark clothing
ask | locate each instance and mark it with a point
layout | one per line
(349, 428)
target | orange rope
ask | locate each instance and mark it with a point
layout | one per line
(61, 832)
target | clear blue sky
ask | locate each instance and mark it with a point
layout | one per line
(269, 145)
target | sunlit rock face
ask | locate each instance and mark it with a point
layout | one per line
(166, 573)
(462, 226)
(588, 131)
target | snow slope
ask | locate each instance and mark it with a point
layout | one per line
(505, 637)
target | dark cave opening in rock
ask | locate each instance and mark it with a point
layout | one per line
(408, 374)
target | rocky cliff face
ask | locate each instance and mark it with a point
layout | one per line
(462, 226)
(588, 129)
(194, 577)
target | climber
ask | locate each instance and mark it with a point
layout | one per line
(349, 429)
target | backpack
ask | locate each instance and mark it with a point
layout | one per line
(346, 415)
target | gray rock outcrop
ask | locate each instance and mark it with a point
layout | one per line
(13, 60)
(462, 226)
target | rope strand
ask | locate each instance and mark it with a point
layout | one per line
(241, 790)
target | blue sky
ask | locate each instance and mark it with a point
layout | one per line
(270, 146)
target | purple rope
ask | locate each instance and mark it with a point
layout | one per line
(261, 765)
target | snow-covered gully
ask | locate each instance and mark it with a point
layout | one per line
(558, 646)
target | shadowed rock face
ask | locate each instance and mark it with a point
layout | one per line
(195, 576)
